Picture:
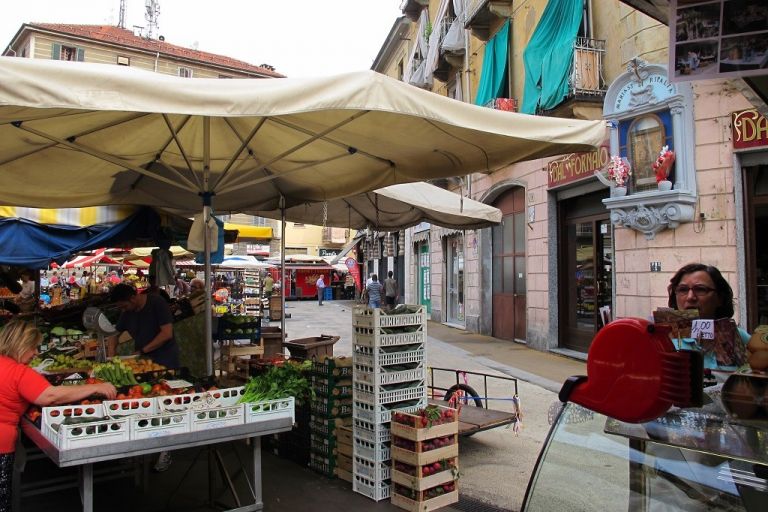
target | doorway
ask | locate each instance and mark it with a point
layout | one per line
(508, 268)
(756, 189)
(586, 270)
(425, 288)
(455, 279)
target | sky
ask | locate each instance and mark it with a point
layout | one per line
(298, 37)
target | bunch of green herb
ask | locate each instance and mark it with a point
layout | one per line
(280, 381)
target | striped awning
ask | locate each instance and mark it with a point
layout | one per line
(70, 216)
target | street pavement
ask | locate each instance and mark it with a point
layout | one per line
(495, 464)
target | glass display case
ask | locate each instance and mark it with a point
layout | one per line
(689, 459)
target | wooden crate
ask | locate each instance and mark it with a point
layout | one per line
(421, 433)
(424, 505)
(419, 457)
(343, 474)
(412, 477)
(234, 358)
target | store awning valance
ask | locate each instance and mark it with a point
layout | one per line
(245, 231)
(549, 55)
(494, 73)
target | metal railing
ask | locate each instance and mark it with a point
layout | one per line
(586, 77)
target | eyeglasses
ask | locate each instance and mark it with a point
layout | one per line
(698, 290)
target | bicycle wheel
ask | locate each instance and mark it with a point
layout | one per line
(469, 394)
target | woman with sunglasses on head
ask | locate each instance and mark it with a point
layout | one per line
(703, 287)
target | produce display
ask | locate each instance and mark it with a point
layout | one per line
(62, 362)
(424, 446)
(279, 381)
(428, 469)
(116, 372)
(426, 417)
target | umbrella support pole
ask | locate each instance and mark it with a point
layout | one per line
(282, 268)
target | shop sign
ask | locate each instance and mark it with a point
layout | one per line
(577, 166)
(328, 252)
(750, 129)
(354, 269)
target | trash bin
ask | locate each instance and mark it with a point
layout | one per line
(314, 347)
(327, 293)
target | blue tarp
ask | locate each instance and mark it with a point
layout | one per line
(24, 243)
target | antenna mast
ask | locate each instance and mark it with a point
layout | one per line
(121, 22)
(153, 12)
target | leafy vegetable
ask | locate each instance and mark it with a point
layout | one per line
(280, 381)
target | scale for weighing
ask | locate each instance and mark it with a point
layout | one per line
(95, 320)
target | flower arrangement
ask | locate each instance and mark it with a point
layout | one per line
(663, 164)
(619, 171)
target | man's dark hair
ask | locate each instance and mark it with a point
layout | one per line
(374, 277)
(389, 274)
(722, 288)
(122, 292)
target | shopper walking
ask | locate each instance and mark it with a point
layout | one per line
(390, 290)
(320, 284)
(374, 291)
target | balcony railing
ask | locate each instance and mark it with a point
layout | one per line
(586, 77)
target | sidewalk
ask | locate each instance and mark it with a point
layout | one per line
(545, 369)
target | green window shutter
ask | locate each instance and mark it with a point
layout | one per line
(56, 52)
(494, 71)
(80, 54)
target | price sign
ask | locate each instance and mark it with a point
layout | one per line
(703, 329)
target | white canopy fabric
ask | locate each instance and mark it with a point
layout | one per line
(231, 261)
(118, 135)
(393, 208)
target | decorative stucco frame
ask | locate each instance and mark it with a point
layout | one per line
(645, 89)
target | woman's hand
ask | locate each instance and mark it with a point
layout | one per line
(105, 389)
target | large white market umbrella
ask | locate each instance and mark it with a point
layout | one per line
(393, 208)
(117, 135)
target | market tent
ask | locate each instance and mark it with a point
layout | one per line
(231, 261)
(33, 245)
(119, 135)
(394, 207)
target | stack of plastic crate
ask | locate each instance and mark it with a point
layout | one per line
(331, 409)
(389, 356)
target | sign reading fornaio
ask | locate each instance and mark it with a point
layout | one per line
(749, 129)
(577, 166)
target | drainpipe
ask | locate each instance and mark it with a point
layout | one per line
(157, 58)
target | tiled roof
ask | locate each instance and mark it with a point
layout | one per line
(126, 38)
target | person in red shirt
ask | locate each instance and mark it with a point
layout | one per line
(21, 386)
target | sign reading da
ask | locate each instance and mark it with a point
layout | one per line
(749, 128)
(577, 166)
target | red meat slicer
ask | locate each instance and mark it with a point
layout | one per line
(635, 374)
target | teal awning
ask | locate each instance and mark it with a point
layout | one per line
(494, 72)
(549, 55)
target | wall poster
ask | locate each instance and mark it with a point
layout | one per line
(718, 38)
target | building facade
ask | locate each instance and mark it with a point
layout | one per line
(571, 253)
